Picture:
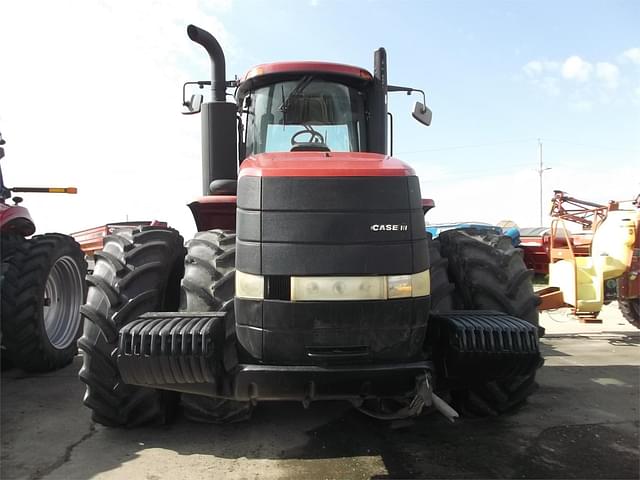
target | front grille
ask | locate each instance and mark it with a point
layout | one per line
(278, 287)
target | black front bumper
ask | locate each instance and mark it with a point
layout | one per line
(310, 383)
(185, 352)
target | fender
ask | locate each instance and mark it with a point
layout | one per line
(17, 219)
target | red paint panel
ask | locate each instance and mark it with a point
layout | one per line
(214, 211)
(303, 67)
(324, 164)
(14, 218)
(427, 204)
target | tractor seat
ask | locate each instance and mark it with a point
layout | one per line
(223, 187)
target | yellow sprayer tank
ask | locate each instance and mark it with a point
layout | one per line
(581, 279)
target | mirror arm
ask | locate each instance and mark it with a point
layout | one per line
(409, 90)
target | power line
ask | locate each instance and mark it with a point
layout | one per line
(459, 147)
(600, 147)
(469, 174)
(507, 142)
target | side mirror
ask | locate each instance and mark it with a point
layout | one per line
(422, 114)
(193, 105)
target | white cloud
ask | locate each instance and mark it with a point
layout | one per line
(632, 54)
(575, 68)
(533, 68)
(608, 73)
(584, 83)
(90, 97)
(581, 105)
(550, 85)
(538, 67)
(542, 73)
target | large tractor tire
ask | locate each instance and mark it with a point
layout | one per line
(43, 287)
(136, 272)
(209, 285)
(487, 273)
(630, 310)
(9, 243)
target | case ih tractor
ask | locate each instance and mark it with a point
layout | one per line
(42, 286)
(311, 277)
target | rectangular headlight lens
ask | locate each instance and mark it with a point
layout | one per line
(338, 288)
(249, 285)
(421, 284)
(398, 286)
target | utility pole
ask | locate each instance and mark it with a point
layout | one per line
(541, 170)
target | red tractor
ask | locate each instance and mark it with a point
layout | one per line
(43, 287)
(311, 277)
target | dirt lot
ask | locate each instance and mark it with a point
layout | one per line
(582, 423)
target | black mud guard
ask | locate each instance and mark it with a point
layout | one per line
(173, 350)
(480, 346)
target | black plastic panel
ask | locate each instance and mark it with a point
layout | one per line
(415, 197)
(335, 227)
(249, 223)
(250, 340)
(335, 193)
(250, 193)
(309, 383)
(330, 226)
(480, 346)
(353, 259)
(249, 257)
(321, 333)
(168, 348)
(248, 312)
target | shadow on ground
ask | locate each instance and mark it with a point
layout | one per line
(582, 423)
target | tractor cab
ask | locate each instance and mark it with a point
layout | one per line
(291, 107)
(304, 106)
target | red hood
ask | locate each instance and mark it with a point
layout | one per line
(324, 164)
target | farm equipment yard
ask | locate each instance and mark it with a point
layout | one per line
(583, 422)
(319, 296)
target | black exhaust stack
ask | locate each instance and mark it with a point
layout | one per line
(378, 104)
(219, 131)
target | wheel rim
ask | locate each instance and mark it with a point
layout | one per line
(62, 301)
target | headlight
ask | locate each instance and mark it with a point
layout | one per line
(337, 288)
(421, 284)
(249, 286)
(398, 286)
(360, 288)
(402, 286)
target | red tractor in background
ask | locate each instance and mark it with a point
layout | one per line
(42, 287)
(311, 277)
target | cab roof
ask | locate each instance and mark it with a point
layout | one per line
(274, 72)
(306, 67)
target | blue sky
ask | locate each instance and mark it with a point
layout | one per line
(498, 75)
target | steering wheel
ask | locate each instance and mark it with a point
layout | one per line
(314, 137)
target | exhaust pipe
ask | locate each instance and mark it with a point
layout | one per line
(213, 48)
(219, 130)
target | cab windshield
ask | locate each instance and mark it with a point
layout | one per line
(305, 114)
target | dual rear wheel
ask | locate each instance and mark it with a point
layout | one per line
(43, 286)
(473, 270)
(139, 272)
